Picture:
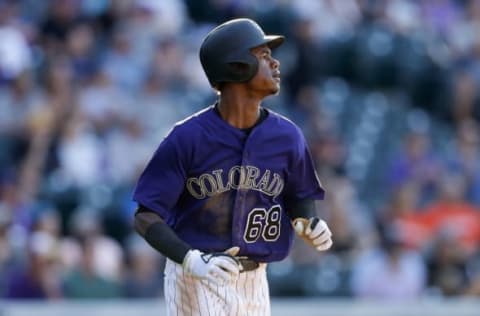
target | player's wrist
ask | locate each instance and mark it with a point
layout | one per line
(162, 238)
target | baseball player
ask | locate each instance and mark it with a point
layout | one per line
(226, 189)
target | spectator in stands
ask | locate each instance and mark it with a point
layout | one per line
(402, 212)
(349, 218)
(119, 62)
(80, 153)
(15, 54)
(464, 98)
(87, 235)
(61, 17)
(80, 46)
(40, 277)
(474, 288)
(447, 270)
(452, 215)
(167, 64)
(85, 281)
(307, 68)
(415, 163)
(47, 220)
(144, 277)
(18, 100)
(104, 105)
(463, 157)
(390, 272)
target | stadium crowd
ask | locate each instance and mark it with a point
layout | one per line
(387, 93)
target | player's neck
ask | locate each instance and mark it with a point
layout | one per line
(238, 110)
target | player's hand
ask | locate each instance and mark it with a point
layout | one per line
(219, 267)
(314, 231)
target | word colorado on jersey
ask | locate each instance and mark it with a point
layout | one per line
(239, 177)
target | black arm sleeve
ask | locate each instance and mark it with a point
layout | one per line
(301, 208)
(159, 235)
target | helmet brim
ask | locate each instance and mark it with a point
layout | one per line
(273, 41)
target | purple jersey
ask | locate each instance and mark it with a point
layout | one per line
(218, 186)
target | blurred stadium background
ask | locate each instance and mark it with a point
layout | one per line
(387, 93)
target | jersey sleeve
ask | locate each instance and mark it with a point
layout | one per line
(163, 180)
(303, 182)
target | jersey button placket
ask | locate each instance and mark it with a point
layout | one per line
(239, 218)
(241, 214)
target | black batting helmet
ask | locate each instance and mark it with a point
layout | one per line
(228, 45)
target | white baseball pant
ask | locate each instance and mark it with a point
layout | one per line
(188, 296)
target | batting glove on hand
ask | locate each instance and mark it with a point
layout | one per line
(314, 231)
(219, 268)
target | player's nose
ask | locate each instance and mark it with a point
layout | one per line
(275, 64)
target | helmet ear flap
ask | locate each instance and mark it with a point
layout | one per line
(241, 71)
(241, 68)
(238, 68)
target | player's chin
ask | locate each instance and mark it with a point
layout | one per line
(271, 87)
(275, 88)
